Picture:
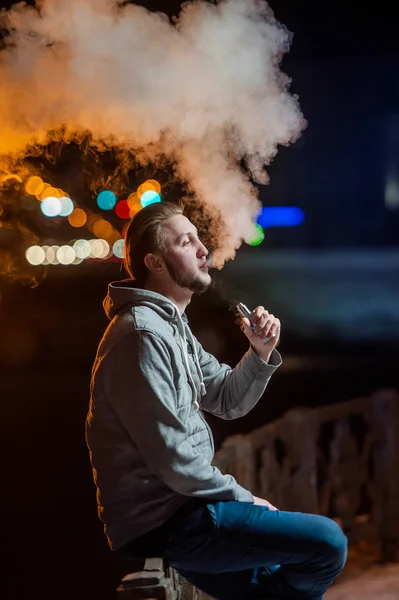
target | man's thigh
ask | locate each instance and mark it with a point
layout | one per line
(231, 536)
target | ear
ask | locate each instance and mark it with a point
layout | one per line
(154, 263)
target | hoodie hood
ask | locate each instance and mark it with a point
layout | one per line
(125, 292)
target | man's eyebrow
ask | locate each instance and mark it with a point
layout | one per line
(187, 233)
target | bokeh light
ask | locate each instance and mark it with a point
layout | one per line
(96, 248)
(48, 191)
(106, 249)
(149, 197)
(106, 200)
(51, 255)
(77, 218)
(82, 249)
(101, 228)
(45, 261)
(134, 204)
(39, 194)
(99, 249)
(35, 255)
(92, 219)
(133, 200)
(34, 185)
(76, 251)
(66, 255)
(280, 216)
(122, 209)
(119, 248)
(151, 185)
(257, 238)
(51, 206)
(67, 206)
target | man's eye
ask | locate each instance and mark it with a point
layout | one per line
(186, 242)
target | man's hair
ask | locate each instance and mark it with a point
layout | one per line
(144, 235)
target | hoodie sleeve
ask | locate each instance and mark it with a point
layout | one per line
(232, 393)
(140, 386)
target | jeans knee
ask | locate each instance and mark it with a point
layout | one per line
(335, 546)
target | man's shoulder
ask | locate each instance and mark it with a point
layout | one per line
(145, 318)
(134, 322)
(141, 320)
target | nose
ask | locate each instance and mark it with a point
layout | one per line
(202, 250)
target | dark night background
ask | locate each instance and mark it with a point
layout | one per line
(333, 281)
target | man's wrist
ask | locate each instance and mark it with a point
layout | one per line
(265, 357)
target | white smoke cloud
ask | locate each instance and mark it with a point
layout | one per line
(205, 90)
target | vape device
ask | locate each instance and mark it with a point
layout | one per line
(244, 311)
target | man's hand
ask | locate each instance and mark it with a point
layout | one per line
(266, 326)
(262, 502)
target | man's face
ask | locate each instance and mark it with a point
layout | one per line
(185, 255)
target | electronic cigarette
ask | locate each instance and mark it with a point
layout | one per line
(244, 311)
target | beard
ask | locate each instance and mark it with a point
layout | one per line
(186, 280)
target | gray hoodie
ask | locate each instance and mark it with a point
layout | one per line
(150, 447)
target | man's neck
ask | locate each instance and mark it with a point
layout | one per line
(181, 297)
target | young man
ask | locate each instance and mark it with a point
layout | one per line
(152, 450)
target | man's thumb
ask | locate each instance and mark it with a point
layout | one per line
(247, 327)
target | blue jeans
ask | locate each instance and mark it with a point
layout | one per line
(239, 551)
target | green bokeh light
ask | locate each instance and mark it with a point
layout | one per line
(259, 237)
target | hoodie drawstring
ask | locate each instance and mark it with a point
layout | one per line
(196, 360)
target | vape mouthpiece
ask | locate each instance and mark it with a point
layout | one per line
(243, 310)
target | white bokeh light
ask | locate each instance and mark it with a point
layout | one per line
(45, 261)
(51, 206)
(35, 255)
(105, 251)
(118, 248)
(67, 206)
(51, 255)
(66, 255)
(97, 248)
(82, 249)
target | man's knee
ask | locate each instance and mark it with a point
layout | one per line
(334, 545)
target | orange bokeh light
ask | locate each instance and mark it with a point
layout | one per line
(34, 185)
(135, 209)
(77, 218)
(102, 229)
(50, 191)
(133, 199)
(133, 203)
(92, 220)
(155, 185)
(149, 185)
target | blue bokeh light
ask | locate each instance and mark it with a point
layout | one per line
(280, 216)
(106, 200)
(149, 197)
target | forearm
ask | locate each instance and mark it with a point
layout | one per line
(190, 475)
(232, 393)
